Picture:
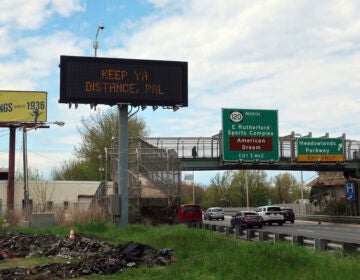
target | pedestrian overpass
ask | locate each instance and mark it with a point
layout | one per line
(209, 155)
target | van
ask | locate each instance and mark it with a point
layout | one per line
(188, 213)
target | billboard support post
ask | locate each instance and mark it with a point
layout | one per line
(11, 176)
(123, 182)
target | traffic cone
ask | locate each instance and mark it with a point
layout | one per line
(71, 235)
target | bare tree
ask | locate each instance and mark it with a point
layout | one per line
(96, 133)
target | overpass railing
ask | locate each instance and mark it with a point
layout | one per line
(211, 147)
(206, 147)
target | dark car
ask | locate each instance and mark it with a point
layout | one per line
(247, 219)
(289, 214)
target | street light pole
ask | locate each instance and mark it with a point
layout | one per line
(247, 190)
(302, 193)
(101, 168)
(26, 173)
(96, 43)
(25, 155)
(193, 187)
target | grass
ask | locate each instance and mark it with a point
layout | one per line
(207, 255)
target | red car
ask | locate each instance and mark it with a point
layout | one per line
(188, 213)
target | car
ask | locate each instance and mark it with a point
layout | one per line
(271, 214)
(188, 213)
(247, 219)
(289, 214)
(214, 213)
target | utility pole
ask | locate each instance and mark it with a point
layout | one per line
(247, 190)
(193, 187)
(302, 193)
(26, 173)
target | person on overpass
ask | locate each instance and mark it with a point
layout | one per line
(194, 152)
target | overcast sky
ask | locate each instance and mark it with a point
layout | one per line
(301, 58)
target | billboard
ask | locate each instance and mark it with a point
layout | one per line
(23, 106)
(250, 135)
(110, 81)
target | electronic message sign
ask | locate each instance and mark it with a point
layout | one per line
(250, 135)
(95, 80)
(23, 106)
(320, 149)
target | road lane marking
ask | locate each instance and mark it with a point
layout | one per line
(311, 231)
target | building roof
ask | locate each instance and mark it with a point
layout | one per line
(329, 182)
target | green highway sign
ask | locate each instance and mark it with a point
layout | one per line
(320, 149)
(250, 135)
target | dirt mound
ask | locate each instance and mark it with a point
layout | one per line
(95, 256)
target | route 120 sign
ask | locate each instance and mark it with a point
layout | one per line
(250, 135)
(236, 116)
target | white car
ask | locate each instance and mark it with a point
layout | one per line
(214, 213)
(271, 214)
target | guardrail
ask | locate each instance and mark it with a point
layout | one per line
(314, 218)
(318, 244)
(330, 219)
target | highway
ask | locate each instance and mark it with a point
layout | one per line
(336, 232)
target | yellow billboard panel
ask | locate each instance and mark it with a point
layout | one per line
(23, 106)
(324, 158)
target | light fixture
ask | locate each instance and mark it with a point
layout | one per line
(155, 107)
(59, 123)
(143, 107)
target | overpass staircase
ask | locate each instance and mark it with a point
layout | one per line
(154, 182)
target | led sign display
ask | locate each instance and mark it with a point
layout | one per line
(96, 80)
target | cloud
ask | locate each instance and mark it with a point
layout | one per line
(31, 15)
(300, 58)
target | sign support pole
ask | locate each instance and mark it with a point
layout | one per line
(123, 174)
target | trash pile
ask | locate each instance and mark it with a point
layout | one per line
(95, 257)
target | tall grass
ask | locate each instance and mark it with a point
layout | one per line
(207, 255)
